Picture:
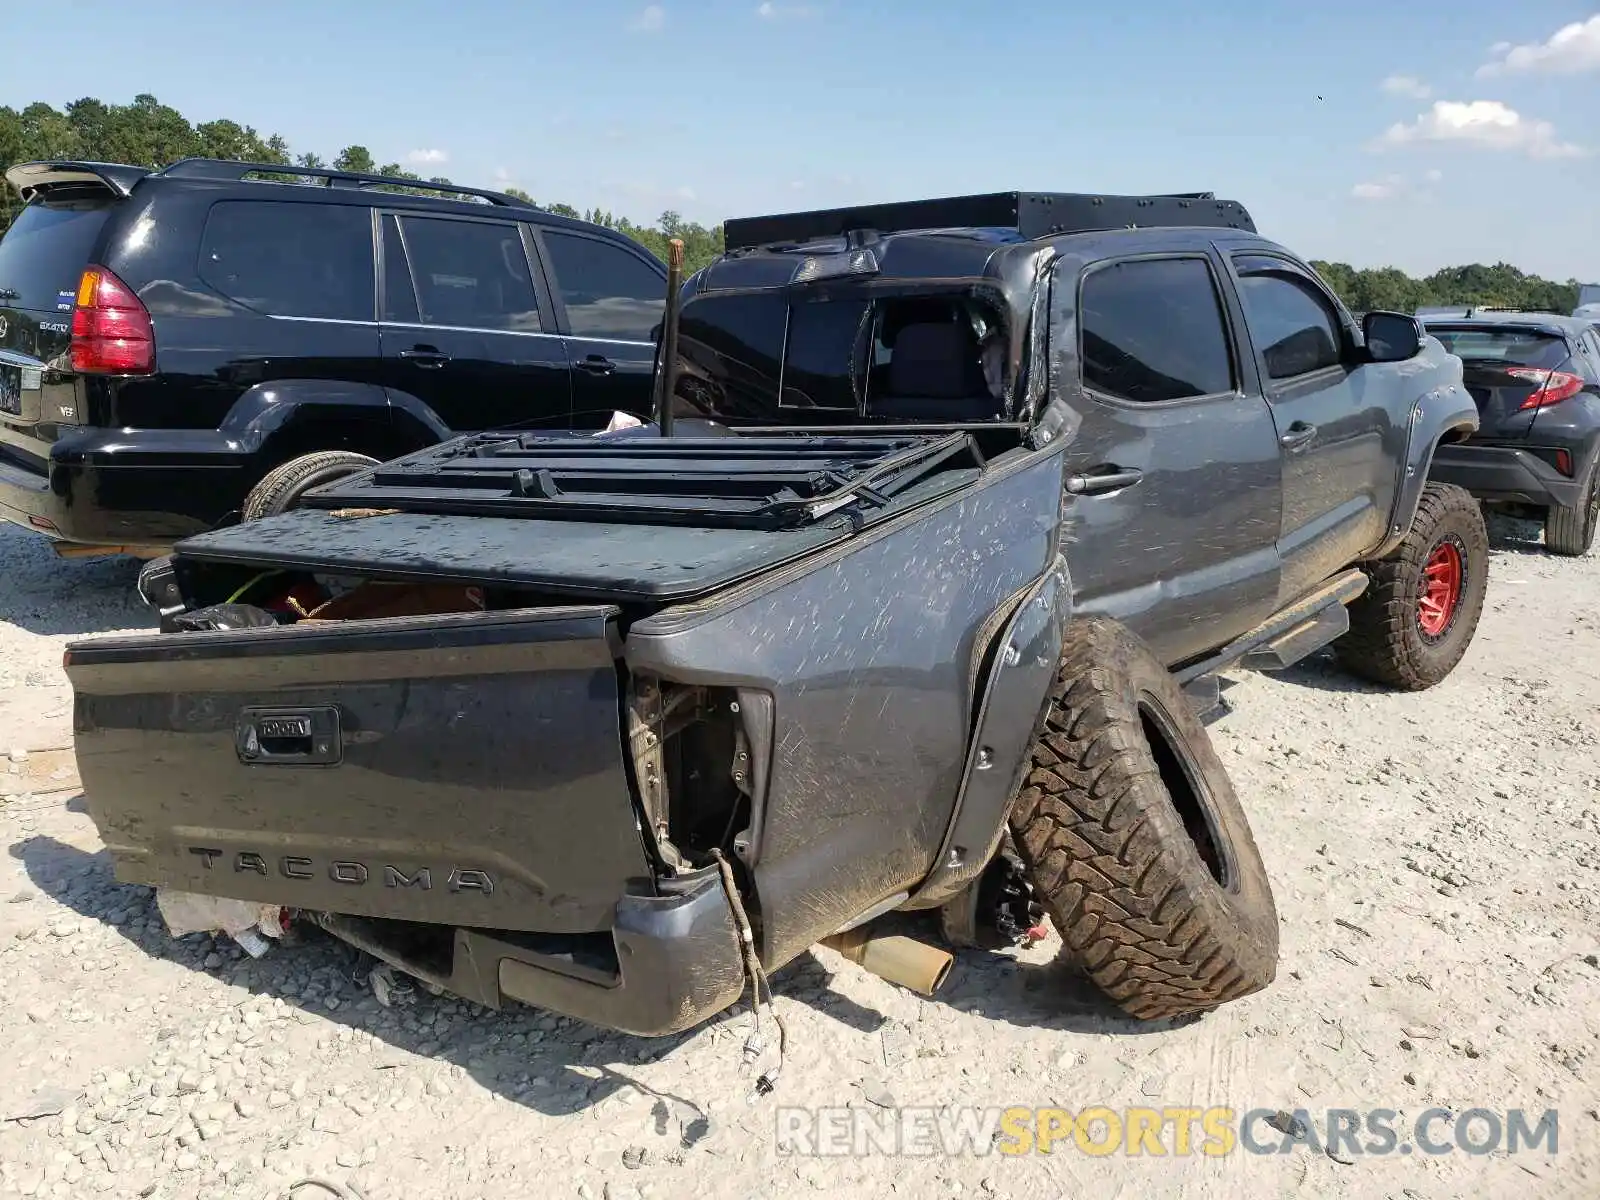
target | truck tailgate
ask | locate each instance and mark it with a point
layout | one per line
(464, 769)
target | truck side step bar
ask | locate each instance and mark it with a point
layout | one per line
(1291, 633)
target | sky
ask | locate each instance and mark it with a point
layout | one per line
(1372, 132)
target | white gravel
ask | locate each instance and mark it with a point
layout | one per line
(1435, 860)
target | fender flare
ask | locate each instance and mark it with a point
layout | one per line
(267, 411)
(1013, 695)
(1437, 415)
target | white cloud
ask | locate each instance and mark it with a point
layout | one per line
(768, 11)
(1379, 189)
(1487, 124)
(422, 158)
(651, 19)
(1434, 176)
(1569, 50)
(1406, 85)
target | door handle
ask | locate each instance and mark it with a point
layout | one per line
(596, 364)
(1298, 436)
(428, 357)
(1108, 480)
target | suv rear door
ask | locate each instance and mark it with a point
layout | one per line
(610, 299)
(1503, 366)
(1339, 440)
(466, 322)
(42, 257)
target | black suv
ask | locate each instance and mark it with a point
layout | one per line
(185, 347)
(1536, 380)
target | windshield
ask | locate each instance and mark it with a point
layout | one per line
(45, 250)
(1508, 346)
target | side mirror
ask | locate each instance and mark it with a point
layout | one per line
(1391, 336)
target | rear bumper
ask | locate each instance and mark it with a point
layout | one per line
(669, 962)
(1505, 473)
(106, 487)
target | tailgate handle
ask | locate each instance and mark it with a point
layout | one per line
(299, 737)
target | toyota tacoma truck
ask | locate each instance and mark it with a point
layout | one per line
(924, 614)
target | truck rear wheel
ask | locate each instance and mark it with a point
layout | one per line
(1134, 838)
(281, 488)
(1411, 626)
(1570, 531)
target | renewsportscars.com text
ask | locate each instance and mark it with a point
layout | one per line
(1170, 1131)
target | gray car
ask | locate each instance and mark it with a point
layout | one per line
(1535, 378)
(921, 617)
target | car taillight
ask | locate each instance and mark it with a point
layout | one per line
(1550, 387)
(111, 330)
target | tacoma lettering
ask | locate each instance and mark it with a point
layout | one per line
(350, 872)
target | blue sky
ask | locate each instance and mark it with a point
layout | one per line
(1375, 132)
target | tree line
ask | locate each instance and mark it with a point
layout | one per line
(149, 133)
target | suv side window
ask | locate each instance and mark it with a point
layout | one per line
(609, 292)
(1153, 330)
(1295, 329)
(1591, 346)
(467, 274)
(291, 260)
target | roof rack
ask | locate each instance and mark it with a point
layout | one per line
(1030, 214)
(221, 168)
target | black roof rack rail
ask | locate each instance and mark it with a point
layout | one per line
(1030, 214)
(221, 168)
(32, 178)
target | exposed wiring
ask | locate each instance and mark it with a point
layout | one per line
(250, 583)
(342, 1191)
(767, 1080)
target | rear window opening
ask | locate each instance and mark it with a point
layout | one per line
(43, 254)
(1506, 347)
(837, 359)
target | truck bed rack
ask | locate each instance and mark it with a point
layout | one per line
(1029, 214)
(771, 482)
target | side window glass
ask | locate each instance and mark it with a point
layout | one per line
(1295, 330)
(609, 292)
(471, 274)
(399, 294)
(1153, 330)
(285, 259)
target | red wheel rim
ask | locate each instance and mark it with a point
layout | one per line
(1441, 590)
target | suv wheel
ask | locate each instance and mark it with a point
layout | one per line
(1411, 626)
(1134, 839)
(281, 488)
(1570, 531)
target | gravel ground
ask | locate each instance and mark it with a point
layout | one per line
(1435, 861)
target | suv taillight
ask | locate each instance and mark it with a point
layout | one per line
(1550, 387)
(111, 331)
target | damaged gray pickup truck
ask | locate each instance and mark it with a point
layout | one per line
(924, 614)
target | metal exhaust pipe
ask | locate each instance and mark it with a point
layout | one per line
(900, 960)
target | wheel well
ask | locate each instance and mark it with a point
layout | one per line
(375, 438)
(1456, 433)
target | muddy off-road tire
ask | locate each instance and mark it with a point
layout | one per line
(1134, 839)
(281, 488)
(1570, 531)
(1411, 626)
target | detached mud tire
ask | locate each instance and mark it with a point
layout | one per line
(281, 488)
(1411, 626)
(1134, 838)
(1570, 531)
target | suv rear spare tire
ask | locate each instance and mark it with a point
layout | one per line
(1134, 838)
(1416, 619)
(281, 488)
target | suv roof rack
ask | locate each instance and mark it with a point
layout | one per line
(1030, 214)
(221, 168)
